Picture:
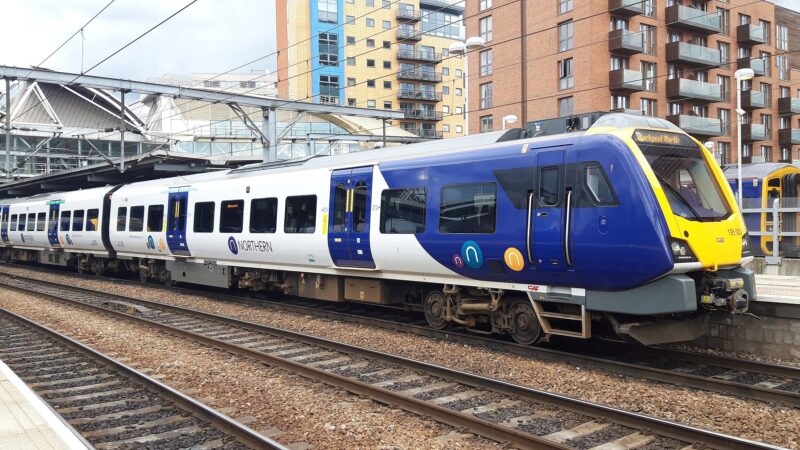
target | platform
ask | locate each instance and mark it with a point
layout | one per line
(27, 422)
(778, 288)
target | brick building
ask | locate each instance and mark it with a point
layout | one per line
(666, 58)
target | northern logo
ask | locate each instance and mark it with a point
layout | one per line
(151, 244)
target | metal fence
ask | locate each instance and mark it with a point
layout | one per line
(781, 222)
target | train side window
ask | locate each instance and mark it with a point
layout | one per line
(263, 215)
(32, 222)
(548, 186)
(468, 208)
(301, 214)
(13, 224)
(403, 211)
(92, 219)
(137, 218)
(155, 218)
(41, 220)
(598, 186)
(204, 217)
(21, 224)
(122, 217)
(360, 206)
(66, 218)
(231, 216)
(77, 220)
(339, 208)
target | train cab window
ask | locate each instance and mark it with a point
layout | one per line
(598, 186)
(13, 224)
(137, 218)
(77, 220)
(360, 207)
(204, 217)
(41, 220)
(301, 214)
(403, 211)
(66, 218)
(548, 186)
(155, 218)
(92, 219)
(32, 222)
(263, 215)
(21, 224)
(231, 216)
(122, 218)
(468, 208)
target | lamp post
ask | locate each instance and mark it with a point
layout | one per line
(511, 118)
(740, 75)
(461, 49)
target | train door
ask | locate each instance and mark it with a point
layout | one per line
(53, 221)
(4, 212)
(176, 221)
(548, 212)
(791, 219)
(348, 227)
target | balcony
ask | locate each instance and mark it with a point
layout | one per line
(682, 88)
(754, 100)
(420, 55)
(625, 7)
(409, 34)
(415, 94)
(626, 80)
(408, 14)
(692, 55)
(789, 105)
(753, 132)
(750, 35)
(625, 41)
(696, 125)
(425, 133)
(693, 19)
(759, 65)
(789, 136)
(422, 114)
(421, 75)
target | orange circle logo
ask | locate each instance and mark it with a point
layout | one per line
(514, 260)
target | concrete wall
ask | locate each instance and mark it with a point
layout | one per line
(771, 336)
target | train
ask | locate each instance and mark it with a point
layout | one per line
(762, 184)
(626, 230)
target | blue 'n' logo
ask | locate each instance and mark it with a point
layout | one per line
(151, 244)
(233, 246)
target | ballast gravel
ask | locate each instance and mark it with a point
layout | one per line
(304, 410)
(772, 423)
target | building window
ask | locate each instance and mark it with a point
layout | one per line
(485, 26)
(765, 56)
(649, 8)
(782, 37)
(370, 43)
(351, 102)
(648, 38)
(620, 102)
(723, 149)
(649, 75)
(724, 20)
(387, 24)
(445, 52)
(767, 27)
(387, 44)
(766, 89)
(387, 105)
(329, 89)
(458, 73)
(436, 22)
(328, 49)
(370, 3)
(564, 6)
(487, 124)
(370, 103)
(351, 61)
(387, 64)
(565, 106)
(782, 63)
(486, 62)
(445, 90)
(566, 36)
(484, 5)
(351, 40)
(350, 20)
(459, 129)
(649, 107)
(387, 84)
(459, 110)
(784, 92)
(766, 153)
(766, 120)
(446, 128)
(351, 81)
(445, 71)
(619, 62)
(724, 54)
(786, 154)
(386, 4)
(371, 83)
(565, 71)
(328, 11)
(370, 63)
(724, 116)
(458, 92)
(724, 83)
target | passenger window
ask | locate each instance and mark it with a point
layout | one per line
(41, 220)
(13, 224)
(403, 211)
(548, 186)
(339, 208)
(231, 216)
(122, 215)
(32, 222)
(92, 219)
(360, 207)
(597, 185)
(21, 225)
(66, 219)
(263, 215)
(137, 218)
(204, 217)
(468, 208)
(155, 218)
(301, 214)
(77, 221)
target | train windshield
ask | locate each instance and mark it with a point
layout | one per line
(688, 183)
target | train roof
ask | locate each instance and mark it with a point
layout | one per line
(759, 170)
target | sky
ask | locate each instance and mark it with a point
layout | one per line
(209, 36)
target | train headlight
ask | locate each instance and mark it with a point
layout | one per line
(746, 250)
(681, 252)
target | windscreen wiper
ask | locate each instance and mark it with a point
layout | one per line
(677, 194)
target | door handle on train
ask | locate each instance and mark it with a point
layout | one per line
(528, 228)
(567, 256)
(542, 214)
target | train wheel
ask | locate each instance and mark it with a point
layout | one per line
(436, 310)
(525, 327)
(143, 276)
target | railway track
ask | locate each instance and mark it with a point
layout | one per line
(111, 405)
(725, 375)
(521, 416)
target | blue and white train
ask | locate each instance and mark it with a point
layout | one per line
(629, 228)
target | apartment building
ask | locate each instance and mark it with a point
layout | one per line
(376, 54)
(668, 58)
